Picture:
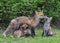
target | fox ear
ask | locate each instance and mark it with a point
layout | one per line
(36, 12)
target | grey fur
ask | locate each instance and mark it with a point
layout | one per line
(47, 28)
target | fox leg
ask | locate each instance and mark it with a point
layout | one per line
(32, 32)
(43, 33)
(32, 28)
(9, 28)
(5, 32)
(47, 33)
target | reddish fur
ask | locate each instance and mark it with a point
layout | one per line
(23, 31)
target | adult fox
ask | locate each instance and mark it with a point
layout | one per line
(23, 31)
(14, 24)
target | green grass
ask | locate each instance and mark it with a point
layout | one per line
(36, 39)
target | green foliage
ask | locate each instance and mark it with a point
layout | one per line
(10, 9)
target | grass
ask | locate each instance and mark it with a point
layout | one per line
(36, 39)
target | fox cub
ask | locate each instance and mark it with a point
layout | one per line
(23, 31)
(47, 28)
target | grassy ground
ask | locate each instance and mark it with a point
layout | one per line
(36, 39)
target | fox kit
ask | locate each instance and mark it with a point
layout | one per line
(23, 31)
(47, 28)
(18, 33)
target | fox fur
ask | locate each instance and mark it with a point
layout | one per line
(47, 28)
(24, 31)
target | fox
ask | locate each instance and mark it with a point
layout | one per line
(27, 29)
(33, 22)
(24, 31)
(19, 33)
(47, 30)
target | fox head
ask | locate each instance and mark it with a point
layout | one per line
(39, 13)
(24, 26)
(48, 19)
